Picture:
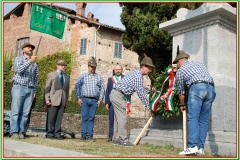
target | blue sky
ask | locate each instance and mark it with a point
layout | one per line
(107, 13)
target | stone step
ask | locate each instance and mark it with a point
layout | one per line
(158, 133)
(213, 148)
(216, 136)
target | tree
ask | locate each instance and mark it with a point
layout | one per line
(143, 34)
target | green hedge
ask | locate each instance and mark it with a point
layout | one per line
(8, 73)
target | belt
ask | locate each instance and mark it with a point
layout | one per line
(118, 91)
(91, 97)
(212, 84)
(14, 83)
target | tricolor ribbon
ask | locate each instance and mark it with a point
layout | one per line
(154, 103)
(115, 79)
(168, 96)
(155, 99)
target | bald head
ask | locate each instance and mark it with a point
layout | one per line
(118, 70)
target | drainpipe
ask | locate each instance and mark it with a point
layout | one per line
(95, 42)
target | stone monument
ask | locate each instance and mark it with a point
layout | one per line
(207, 34)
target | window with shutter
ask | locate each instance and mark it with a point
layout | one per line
(83, 46)
(118, 50)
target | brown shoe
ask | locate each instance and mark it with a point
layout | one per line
(109, 140)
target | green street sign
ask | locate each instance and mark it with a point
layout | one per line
(47, 20)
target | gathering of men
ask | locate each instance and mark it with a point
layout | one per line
(90, 91)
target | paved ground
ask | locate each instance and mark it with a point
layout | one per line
(13, 148)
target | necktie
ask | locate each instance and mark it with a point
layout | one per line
(61, 78)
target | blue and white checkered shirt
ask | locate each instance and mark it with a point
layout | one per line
(26, 73)
(191, 72)
(90, 85)
(133, 82)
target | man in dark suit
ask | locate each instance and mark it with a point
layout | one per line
(56, 97)
(111, 83)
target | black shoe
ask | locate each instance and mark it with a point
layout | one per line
(83, 138)
(90, 139)
(49, 137)
(58, 138)
(126, 144)
(26, 136)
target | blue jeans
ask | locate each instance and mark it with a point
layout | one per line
(88, 111)
(22, 98)
(111, 121)
(200, 99)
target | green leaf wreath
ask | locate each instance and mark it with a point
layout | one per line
(159, 85)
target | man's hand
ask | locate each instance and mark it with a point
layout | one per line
(80, 102)
(34, 95)
(48, 103)
(150, 112)
(183, 108)
(154, 89)
(99, 102)
(33, 59)
(107, 106)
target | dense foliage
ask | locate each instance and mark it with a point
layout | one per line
(8, 73)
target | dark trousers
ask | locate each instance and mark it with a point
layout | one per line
(111, 121)
(54, 120)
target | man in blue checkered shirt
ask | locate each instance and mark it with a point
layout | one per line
(89, 90)
(201, 94)
(132, 82)
(23, 90)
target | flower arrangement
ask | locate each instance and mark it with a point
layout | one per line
(164, 100)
